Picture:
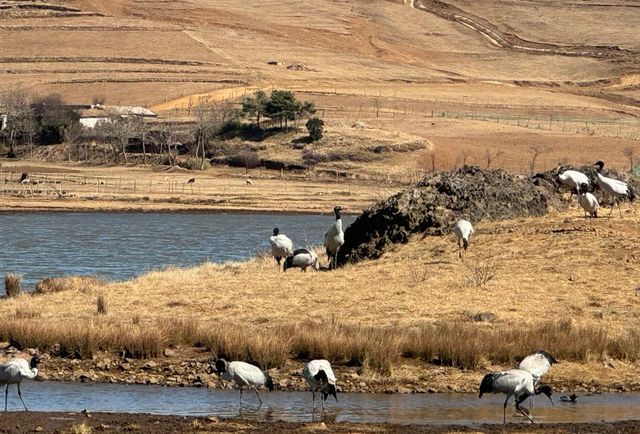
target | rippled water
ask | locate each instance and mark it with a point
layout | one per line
(440, 408)
(124, 245)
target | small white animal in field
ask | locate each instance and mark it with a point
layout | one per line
(613, 188)
(281, 246)
(573, 179)
(588, 202)
(16, 370)
(463, 231)
(302, 258)
(515, 382)
(319, 375)
(334, 239)
(249, 182)
(244, 375)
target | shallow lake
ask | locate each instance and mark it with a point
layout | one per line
(119, 246)
(440, 408)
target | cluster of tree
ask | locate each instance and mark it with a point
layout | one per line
(35, 120)
(48, 120)
(281, 107)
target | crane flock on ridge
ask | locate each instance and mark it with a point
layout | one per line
(521, 383)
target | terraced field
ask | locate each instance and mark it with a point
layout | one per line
(472, 78)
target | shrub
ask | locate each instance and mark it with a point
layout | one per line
(12, 284)
(101, 304)
(315, 126)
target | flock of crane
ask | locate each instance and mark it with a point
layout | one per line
(282, 247)
(521, 383)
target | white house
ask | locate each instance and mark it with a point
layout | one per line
(90, 117)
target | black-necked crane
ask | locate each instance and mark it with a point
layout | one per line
(302, 258)
(574, 180)
(189, 182)
(537, 364)
(24, 178)
(249, 181)
(320, 377)
(588, 202)
(463, 231)
(281, 246)
(334, 239)
(244, 375)
(515, 382)
(16, 370)
(613, 188)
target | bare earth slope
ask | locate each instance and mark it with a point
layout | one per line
(473, 78)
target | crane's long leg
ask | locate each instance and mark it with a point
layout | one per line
(257, 394)
(612, 206)
(504, 411)
(20, 395)
(240, 396)
(619, 208)
(523, 412)
(6, 395)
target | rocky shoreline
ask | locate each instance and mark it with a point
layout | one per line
(190, 368)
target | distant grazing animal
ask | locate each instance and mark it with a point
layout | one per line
(24, 178)
(588, 202)
(463, 231)
(191, 181)
(302, 258)
(574, 180)
(244, 375)
(281, 246)
(16, 370)
(613, 188)
(249, 182)
(334, 239)
(515, 382)
(319, 375)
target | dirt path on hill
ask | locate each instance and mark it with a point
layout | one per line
(514, 42)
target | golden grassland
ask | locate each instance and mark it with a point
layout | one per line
(558, 283)
(384, 63)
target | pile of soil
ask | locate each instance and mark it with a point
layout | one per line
(435, 203)
(439, 200)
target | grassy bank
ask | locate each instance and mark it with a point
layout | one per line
(417, 316)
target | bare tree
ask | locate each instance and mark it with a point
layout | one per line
(492, 155)
(427, 161)
(536, 150)
(465, 154)
(117, 132)
(21, 122)
(73, 135)
(210, 117)
(630, 153)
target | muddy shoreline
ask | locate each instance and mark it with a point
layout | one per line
(29, 422)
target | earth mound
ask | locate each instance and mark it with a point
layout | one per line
(436, 202)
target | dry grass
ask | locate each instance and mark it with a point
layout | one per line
(379, 316)
(12, 283)
(79, 428)
(70, 283)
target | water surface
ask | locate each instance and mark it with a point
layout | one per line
(120, 246)
(439, 408)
